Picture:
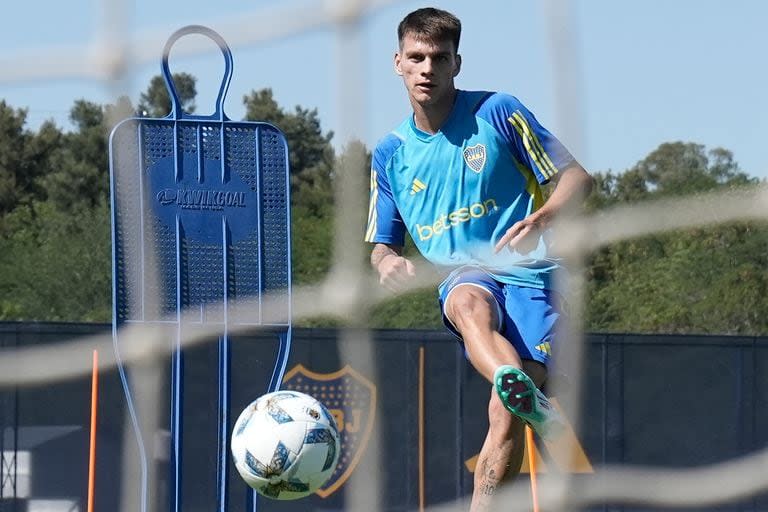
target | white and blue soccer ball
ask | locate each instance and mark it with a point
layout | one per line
(285, 445)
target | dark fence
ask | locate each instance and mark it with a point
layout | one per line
(672, 401)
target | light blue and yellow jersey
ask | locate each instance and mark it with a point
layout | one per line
(457, 191)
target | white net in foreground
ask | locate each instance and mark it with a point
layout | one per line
(350, 288)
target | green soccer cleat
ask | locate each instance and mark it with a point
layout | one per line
(522, 398)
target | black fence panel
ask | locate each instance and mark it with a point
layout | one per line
(669, 401)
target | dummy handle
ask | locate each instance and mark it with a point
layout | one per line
(176, 110)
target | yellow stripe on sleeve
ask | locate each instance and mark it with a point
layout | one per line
(532, 153)
(373, 189)
(371, 230)
(531, 185)
(533, 145)
(536, 143)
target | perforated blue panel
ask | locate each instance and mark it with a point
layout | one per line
(154, 187)
(201, 236)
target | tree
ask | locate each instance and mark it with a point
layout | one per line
(672, 169)
(708, 280)
(54, 187)
(22, 158)
(686, 280)
(156, 102)
(311, 155)
(311, 160)
(313, 222)
(79, 168)
(677, 168)
(55, 264)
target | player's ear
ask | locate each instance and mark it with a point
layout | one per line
(458, 65)
(398, 59)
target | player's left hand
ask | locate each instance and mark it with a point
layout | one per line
(522, 237)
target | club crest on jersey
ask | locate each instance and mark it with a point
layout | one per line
(351, 400)
(475, 157)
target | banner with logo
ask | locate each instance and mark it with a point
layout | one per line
(413, 415)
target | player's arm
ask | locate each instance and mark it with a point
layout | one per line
(546, 158)
(386, 230)
(393, 268)
(572, 185)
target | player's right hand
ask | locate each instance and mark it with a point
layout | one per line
(395, 272)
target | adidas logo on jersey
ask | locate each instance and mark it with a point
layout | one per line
(417, 186)
(544, 348)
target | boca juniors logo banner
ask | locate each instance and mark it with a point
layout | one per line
(351, 399)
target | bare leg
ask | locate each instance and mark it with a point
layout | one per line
(473, 312)
(501, 455)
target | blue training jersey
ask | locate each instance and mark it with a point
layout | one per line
(458, 191)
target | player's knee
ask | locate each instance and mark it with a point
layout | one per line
(469, 306)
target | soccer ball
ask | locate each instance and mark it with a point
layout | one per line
(285, 445)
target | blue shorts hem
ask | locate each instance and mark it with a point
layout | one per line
(529, 315)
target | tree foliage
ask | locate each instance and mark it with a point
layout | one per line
(22, 158)
(78, 172)
(694, 280)
(311, 154)
(54, 190)
(55, 264)
(55, 244)
(311, 159)
(156, 102)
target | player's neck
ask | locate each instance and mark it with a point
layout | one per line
(430, 118)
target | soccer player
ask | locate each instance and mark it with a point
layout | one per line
(463, 176)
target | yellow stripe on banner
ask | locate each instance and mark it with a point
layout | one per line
(567, 451)
(471, 463)
(532, 142)
(371, 231)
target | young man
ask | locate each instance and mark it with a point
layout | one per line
(462, 175)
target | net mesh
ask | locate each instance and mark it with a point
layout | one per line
(350, 286)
